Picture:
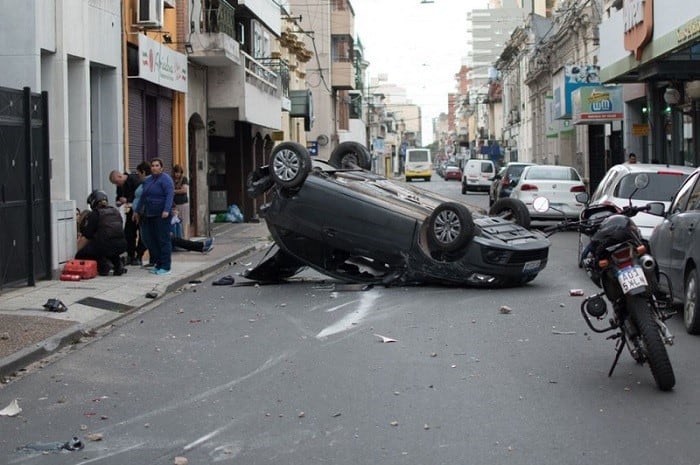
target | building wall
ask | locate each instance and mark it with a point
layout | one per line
(53, 46)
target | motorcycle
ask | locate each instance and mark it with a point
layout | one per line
(618, 261)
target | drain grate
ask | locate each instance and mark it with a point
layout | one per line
(105, 304)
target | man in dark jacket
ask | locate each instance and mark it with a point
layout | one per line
(104, 230)
(126, 187)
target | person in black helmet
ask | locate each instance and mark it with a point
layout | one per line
(104, 230)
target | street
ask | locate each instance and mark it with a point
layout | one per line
(299, 374)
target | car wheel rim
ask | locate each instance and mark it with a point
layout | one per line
(447, 226)
(286, 165)
(690, 296)
(350, 160)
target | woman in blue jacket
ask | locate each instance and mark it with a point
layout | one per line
(153, 212)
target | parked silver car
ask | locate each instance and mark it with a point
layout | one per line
(675, 244)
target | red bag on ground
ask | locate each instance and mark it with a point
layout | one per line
(86, 269)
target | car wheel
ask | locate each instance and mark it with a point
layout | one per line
(691, 318)
(450, 227)
(350, 155)
(257, 183)
(290, 164)
(511, 209)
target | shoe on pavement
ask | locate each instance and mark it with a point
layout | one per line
(133, 261)
(154, 270)
(149, 265)
(161, 272)
(208, 245)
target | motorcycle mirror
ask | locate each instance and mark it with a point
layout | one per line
(540, 204)
(656, 208)
(641, 181)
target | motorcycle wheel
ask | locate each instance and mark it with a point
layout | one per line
(653, 346)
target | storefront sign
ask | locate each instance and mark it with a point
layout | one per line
(162, 65)
(572, 77)
(689, 31)
(640, 129)
(599, 104)
(638, 18)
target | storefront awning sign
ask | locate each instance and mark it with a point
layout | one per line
(596, 105)
(162, 65)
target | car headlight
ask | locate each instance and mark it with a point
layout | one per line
(496, 256)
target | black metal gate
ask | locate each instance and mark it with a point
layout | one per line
(25, 196)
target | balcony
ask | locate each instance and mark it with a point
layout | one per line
(212, 37)
(342, 66)
(342, 19)
(249, 91)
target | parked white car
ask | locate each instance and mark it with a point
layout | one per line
(559, 184)
(618, 184)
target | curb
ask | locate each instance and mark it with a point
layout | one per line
(10, 365)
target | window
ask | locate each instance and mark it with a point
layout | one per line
(342, 49)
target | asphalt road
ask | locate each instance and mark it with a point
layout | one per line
(297, 374)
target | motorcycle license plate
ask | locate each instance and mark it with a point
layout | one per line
(631, 278)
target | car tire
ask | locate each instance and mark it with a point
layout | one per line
(691, 317)
(290, 164)
(350, 155)
(511, 209)
(450, 227)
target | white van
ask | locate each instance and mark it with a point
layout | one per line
(418, 164)
(477, 175)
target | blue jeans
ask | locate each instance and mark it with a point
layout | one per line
(156, 231)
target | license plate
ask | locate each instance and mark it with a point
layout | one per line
(532, 266)
(631, 278)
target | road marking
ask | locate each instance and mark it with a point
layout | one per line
(366, 303)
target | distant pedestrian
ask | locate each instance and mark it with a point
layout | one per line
(182, 200)
(103, 233)
(155, 205)
(632, 158)
(126, 187)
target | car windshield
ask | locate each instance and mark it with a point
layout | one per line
(419, 155)
(662, 186)
(516, 170)
(562, 173)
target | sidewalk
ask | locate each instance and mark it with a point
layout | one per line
(28, 332)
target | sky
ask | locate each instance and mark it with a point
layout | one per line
(420, 47)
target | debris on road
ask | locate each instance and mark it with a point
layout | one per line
(12, 410)
(576, 292)
(505, 310)
(565, 333)
(385, 339)
(55, 305)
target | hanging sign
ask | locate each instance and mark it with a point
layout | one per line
(162, 65)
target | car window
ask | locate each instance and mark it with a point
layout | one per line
(486, 168)
(515, 171)
(561, 173)
(605, 186)
(662, 186)
(681, 200)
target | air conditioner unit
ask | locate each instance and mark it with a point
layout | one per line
(149, 13)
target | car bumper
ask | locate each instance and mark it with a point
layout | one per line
(419, 174)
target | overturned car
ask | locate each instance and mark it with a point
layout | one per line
(356, 226)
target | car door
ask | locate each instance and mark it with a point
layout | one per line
(684, 234)
(670, 236)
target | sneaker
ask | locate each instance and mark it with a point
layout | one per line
(161, 272)
(133, 261)
(149, 265)
(208, 245)
(154, 270)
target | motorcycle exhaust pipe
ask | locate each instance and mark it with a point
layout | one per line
(647, 262)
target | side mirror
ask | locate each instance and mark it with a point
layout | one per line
(582, 197)
(656, 208)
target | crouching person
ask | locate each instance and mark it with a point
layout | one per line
(103, 231)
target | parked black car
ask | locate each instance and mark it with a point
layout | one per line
(675, 244)
(359, 227)
(505, 179)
